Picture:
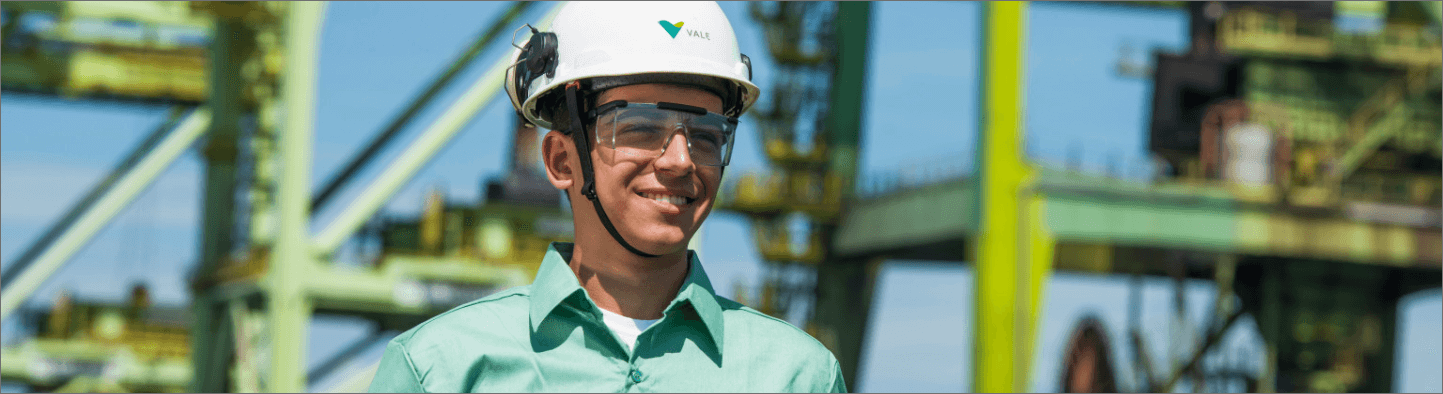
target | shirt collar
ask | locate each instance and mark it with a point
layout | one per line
(555, 283)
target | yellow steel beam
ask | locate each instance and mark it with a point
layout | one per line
(1014, 250)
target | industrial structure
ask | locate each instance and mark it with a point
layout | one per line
(1303, 178)
(255, 289)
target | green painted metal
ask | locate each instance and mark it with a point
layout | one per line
(400, 287)
(222, 147)
(148, 12)
(208, 345)
(1435, 9)
(844, 120)
(97, 216)
(1393, 122)
(908, 219)
(1111, 211)
(844, 287)
(844, 293)
(1079, 208)
(1328, 327)
(420, 152)
(287, 305)
(1088, 210)
(227, 53)
(69, 60)
(40, 362)
(1141, 224)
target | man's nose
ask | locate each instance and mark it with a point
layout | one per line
(677, 157)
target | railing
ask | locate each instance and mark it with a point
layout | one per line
(922, 173)
(913, 175)
(1148, 173)
(1248, 30)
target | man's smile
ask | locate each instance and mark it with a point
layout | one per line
(668, 198)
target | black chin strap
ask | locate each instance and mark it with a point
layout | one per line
(583, 152)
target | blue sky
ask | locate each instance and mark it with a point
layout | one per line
(920, 112)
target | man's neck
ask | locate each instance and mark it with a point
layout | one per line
(619, 281)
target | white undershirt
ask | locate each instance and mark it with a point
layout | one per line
(626, 328)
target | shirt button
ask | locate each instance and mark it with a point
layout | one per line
(635, 376)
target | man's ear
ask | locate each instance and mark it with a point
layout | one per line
(558, 152)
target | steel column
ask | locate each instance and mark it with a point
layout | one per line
(211, 344)
(849, 90)
(1010, 241)
(229, 46)
(287, 306)
(844, 287)
(1271, 324)
(843, 307)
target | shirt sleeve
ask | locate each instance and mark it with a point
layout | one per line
(838, 385)
(396, 374)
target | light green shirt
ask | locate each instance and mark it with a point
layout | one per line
(550, 336)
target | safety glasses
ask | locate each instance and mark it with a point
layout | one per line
(643, 130)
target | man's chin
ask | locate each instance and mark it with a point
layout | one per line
(662, 243)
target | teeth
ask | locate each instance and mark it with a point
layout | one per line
(674, 200)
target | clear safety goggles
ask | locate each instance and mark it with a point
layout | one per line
(643, 130)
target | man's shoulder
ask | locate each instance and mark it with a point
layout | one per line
(764, 331)
(492, 317)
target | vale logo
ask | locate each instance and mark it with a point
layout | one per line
(671, 28)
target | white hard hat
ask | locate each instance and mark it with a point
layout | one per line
(620, 43)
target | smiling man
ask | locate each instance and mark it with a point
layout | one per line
(643, 101)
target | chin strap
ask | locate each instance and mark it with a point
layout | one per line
(583, 152)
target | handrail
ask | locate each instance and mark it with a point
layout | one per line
(1386, 97)
(1247, 30)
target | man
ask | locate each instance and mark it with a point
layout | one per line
(642, 100)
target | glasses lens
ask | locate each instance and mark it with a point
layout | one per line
(642, 130)
(710, 140)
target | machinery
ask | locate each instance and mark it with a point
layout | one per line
(1301, 178)
(146, 51)
(95, 346)
(1300, 115)
(261, 276)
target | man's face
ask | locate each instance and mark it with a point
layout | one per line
(656, 204)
